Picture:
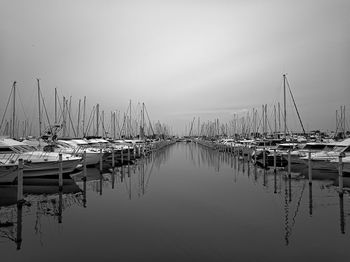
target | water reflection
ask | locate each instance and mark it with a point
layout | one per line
(192, 208)
(43, 197)
(310, 199)
(292, 204)
(342, 215)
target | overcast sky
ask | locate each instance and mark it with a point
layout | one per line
(183, 58)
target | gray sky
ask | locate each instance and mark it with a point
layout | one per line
(182, 58)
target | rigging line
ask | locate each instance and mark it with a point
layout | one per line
(291, 94)
(89, 122)
(118, 119)
(260, 122)
(47, 116)
(298, 206)
(8, 102)
(24, 112)
(61, 110)
(149, 174)
(122, 128)
(149, 120)
(268, 123)
(103, 124)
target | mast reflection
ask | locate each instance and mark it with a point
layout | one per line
(43, 197)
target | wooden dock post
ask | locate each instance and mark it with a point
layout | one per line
(289, 164)
(60, 172)
(129, 170)
(20, 182)
(101, 183)
(340, 169)
(255, 156)
(113, 160)
(264, 158)
(129, 155)
(309, 168)
(274, 160)
(84, 165)
(122, 156)
(113, 177)
(275, 182)
(101, 154)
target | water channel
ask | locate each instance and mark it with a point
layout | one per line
(183, 203)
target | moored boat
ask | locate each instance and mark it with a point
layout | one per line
(35, 163)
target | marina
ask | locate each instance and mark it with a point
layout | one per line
(166, 130)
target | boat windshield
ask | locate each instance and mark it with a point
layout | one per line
(5, 150)
(314, 147)
(328, 148)
(285, 147)
(339, 149)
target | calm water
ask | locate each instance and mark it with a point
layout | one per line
(186, 203)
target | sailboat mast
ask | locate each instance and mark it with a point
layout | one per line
(55, 106)
(130, 120)
(39, 106)
(64, 116)
(274, 113)
(284, 106)
(266, 120)
(78, 126)
(344, 121)
(84, 116)
(143, 120)
(114, 124)
(14, 110)
(263, 120)
(97, 118)
(69, 114)
(279, 117)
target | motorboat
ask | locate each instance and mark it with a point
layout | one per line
(298, 156)
(76, 147)
(36, 163)
(327, 158)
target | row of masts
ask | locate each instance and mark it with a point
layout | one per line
(131, 124)
(253, 125)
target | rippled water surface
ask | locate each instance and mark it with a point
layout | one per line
(184, 203)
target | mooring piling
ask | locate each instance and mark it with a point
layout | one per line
(101, 160)
(289, 164)
(309, 168)
(84, 165)
(274, 160)
(113, 160)
(20, 182)
(60, 172)
(340, 169)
